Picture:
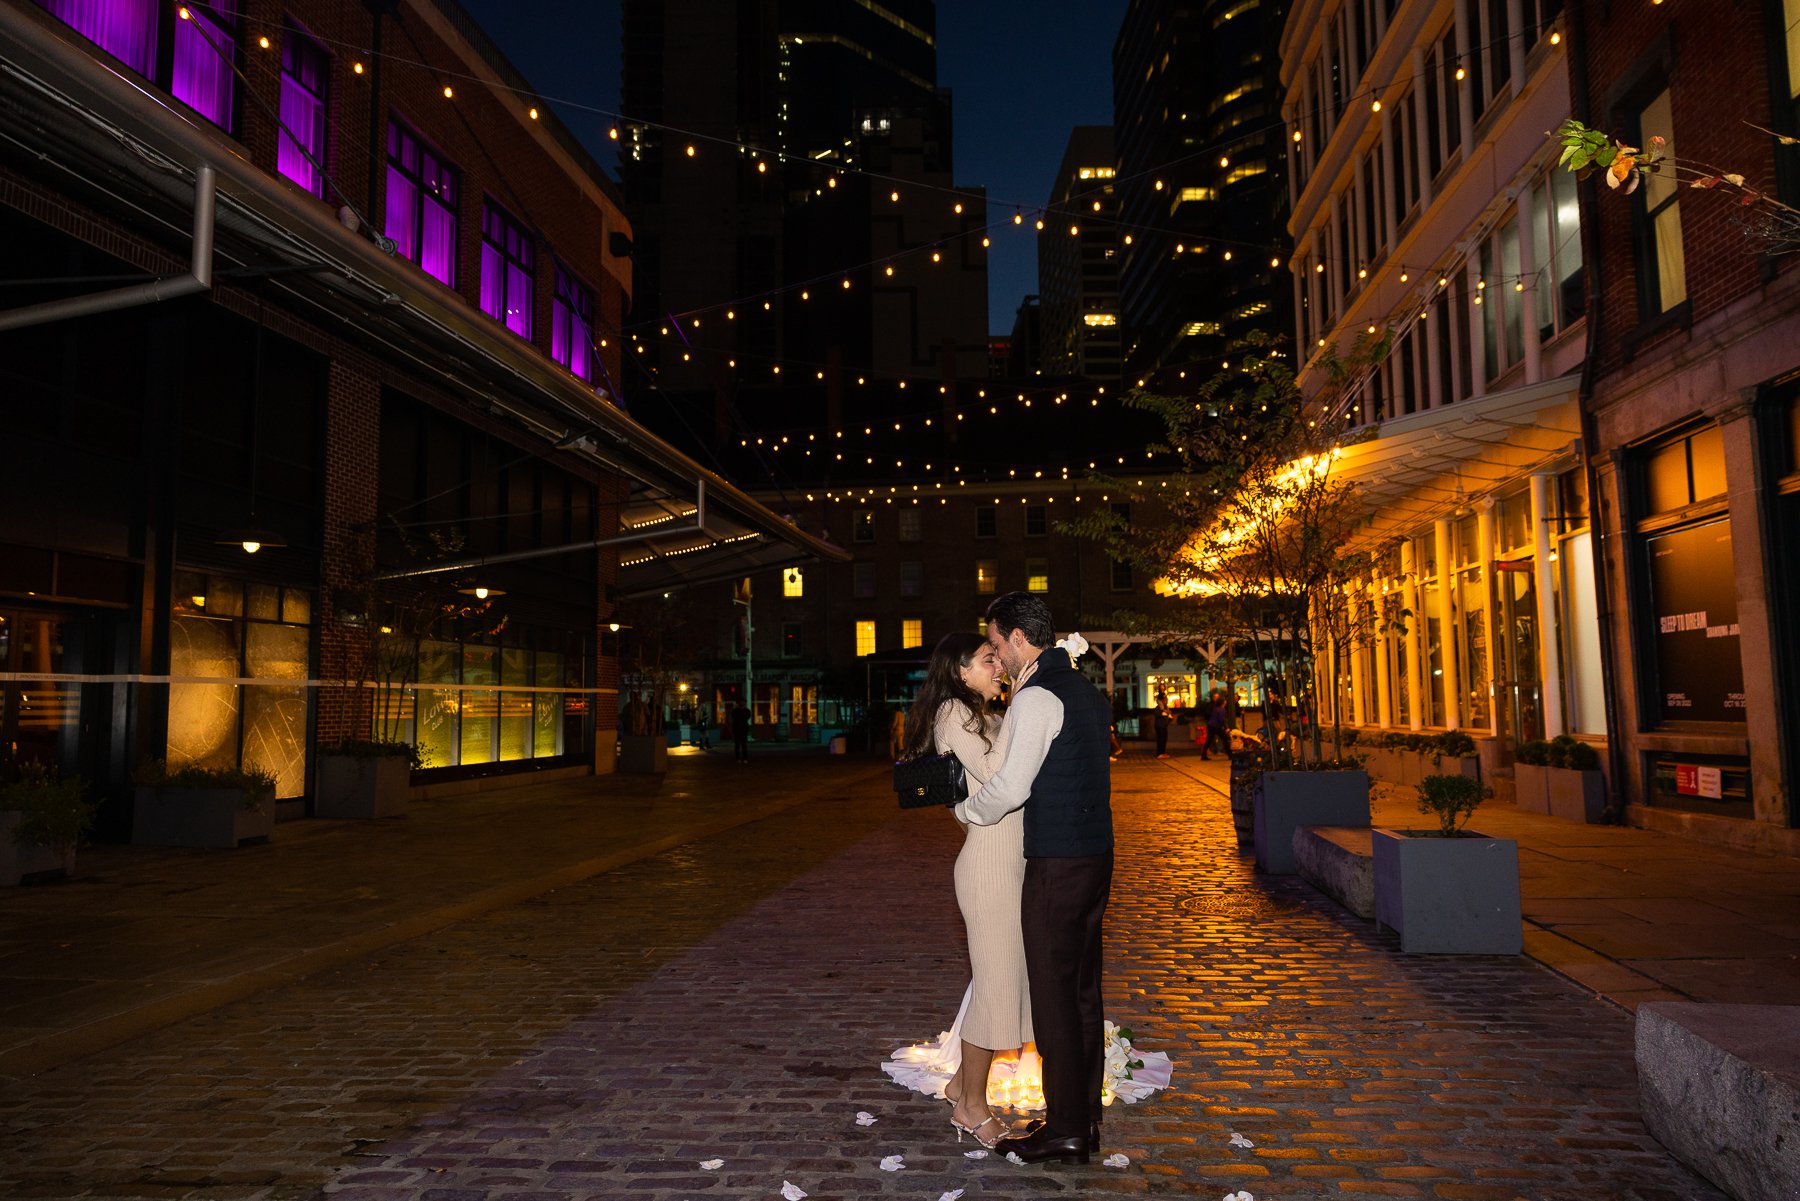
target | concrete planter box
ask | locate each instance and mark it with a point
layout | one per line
(1577, 796)
(200, 817)
(31, 859)
(1448, 896)
(643, 754)
(1243, 792)
(1451, 765)
(1286, 800)
(1531, 786)
(362, 786)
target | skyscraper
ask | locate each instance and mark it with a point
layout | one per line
(1078, 261)
(789, 165)
(1202, 197)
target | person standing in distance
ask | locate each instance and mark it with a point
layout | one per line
(1057, 767)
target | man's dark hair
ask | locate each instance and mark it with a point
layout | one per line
(1028, 614)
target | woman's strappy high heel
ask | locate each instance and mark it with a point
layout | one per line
(974, 1131)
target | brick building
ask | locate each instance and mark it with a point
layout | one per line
(342, 455)
(1694, 412)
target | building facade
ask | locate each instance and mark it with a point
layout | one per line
(1078, 262)
(789, 167)
(343, 457)
(1201, 184)
(1694, 414)
(1430, 219)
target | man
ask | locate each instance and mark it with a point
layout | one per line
(740, 731)
(1056, 767)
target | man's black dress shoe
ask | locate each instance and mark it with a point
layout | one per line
(1037, 1124)
(1040, 1145)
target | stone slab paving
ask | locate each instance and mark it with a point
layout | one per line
(731, 998)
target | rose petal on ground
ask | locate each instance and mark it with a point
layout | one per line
(712, 1165)
(893, 1163)
(952, 1195)
(1116, 1160)
(1013, 1157)
(792, 1192)
(974, 1154)
(1238, 1140)
(864, 1118)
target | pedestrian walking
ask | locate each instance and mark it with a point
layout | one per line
(701, 737)
(740, 731)
(1217, 739)
(1056, 769)
(1162, 722)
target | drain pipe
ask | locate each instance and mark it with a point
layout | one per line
(198, 278)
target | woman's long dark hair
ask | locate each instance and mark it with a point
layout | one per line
(944, 682)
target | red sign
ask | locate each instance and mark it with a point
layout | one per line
(1691, 779)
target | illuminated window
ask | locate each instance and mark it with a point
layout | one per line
(865, 637)
(1037, 575)
(508, 271)
(912, 633)
(572, 324)
(1098, 319)
(305, 75)
(1662, 265)
(793, 582)
(421, 205)
(862, 526)
(1187, 194)
(1245, 171)
(1196, 328)
(987, 575)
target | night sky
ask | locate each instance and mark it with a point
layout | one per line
(1023, 75)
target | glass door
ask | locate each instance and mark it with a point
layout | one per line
(1520, 691)
(39, 715)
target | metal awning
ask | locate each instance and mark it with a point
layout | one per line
(1435, 463)
(106, 138)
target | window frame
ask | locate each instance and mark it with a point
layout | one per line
(297, 44)
(447, 177)
(572, 321)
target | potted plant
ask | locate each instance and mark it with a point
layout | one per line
(1449, 890)
(1577, 790)
(1324, 792)
(202, 806)
(42, 818)
(1531, 778)
(365, 778)
(1453, 753)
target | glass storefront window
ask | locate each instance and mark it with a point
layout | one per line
(1473, 614)
(230, 654)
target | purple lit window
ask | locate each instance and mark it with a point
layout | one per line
(125, 29)
(506, 270)
(572, 325)
(205, 50)
(300, 153)
(421, 205)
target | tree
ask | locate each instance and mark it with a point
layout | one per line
(1764, 217)
(663, 635)
(1254, 516)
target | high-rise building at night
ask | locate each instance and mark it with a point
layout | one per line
(1078, 261)
(1201, 192)
(799, 229)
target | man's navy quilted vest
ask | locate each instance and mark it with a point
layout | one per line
(1069, 812)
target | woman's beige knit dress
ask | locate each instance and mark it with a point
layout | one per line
(990, 872)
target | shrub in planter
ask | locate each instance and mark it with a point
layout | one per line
(1333, 792)
(1575, 787)
(1448, 890)
(202, 806)
(365, 779)
(1531, 775)
(42, 819)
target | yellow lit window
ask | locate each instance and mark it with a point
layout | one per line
(865, 637)
(1196, 328)
(987, 574)
(1187, 194)
(1037, 575)
(912, 633)
(1100, 318)
(793, 583)
(1245, 171)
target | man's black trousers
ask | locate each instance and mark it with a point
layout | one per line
(1061, 910)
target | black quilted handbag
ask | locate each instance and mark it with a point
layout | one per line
(929, 780)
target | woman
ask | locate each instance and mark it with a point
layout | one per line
(950, 716)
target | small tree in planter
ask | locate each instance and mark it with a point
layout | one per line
(1453, 752)
(1576, 787)
(42, 819)
(365, 778)
(1448, 890)
(202, 806)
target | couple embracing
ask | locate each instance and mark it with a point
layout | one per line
(1035, 869)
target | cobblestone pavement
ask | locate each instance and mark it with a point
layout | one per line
(732, 998)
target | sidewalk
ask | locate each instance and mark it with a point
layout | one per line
(143, 938)
(1633, 915)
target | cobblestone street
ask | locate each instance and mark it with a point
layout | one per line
(733, 997)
